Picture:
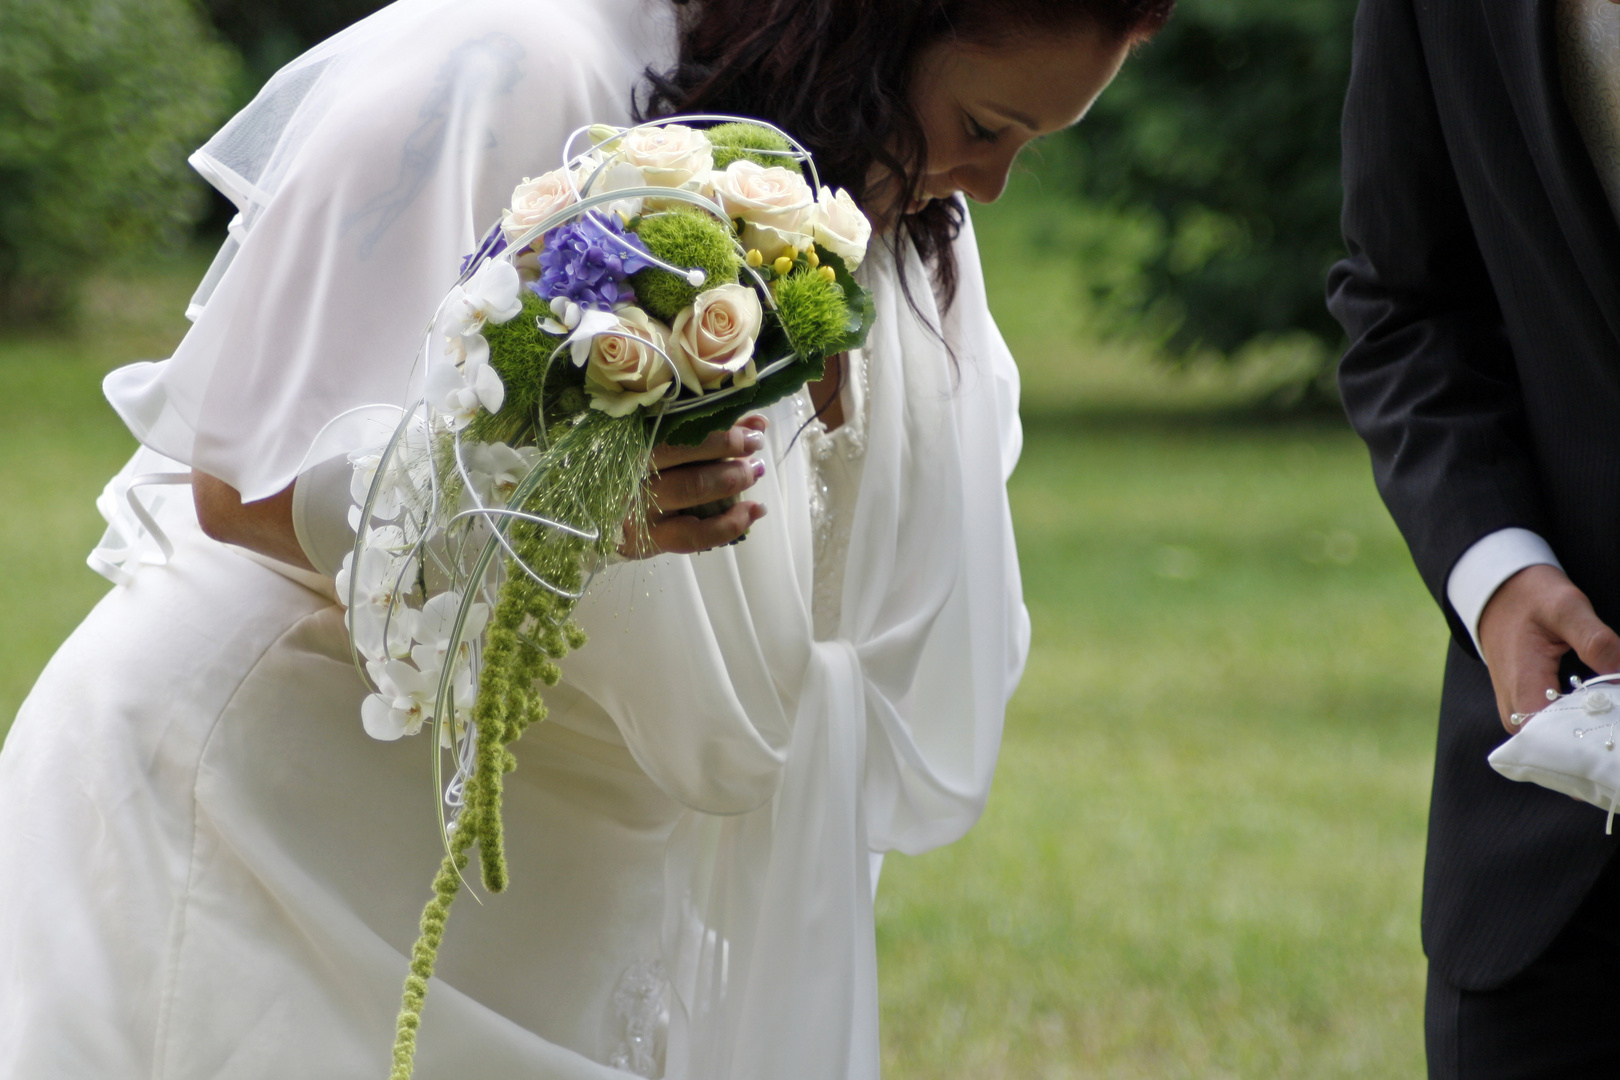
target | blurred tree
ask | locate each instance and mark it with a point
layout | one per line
(100, 102)
(271, 32)
(1225, 131)
(267, 34)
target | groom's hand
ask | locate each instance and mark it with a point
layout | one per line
(1536, 617)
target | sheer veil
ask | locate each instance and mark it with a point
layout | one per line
(363, 172)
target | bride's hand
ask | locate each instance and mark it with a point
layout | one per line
(685, 477)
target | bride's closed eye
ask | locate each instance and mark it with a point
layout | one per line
(978, 132)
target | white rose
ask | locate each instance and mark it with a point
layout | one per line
(625, 368)
(839, 226)
(535, 200)
(775, 205)
(668, 156)
(715, 337)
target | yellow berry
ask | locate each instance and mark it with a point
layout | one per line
(791, 254)
(827, 273)
(811, 257)
(754, 258)
(782, 265)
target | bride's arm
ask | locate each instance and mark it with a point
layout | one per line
(265, 526)
(683, 477)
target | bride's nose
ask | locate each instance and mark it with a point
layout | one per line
(984, 179)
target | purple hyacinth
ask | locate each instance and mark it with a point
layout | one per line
(493, 243)
(588, 262)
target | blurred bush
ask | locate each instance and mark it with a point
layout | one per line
(268, 33)
(1215, 155)
(100, 103)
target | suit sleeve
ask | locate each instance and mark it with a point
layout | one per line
(1428, 379)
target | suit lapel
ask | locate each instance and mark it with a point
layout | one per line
(1522, 32)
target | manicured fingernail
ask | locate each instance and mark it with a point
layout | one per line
(753, 442)
(759, 511)
(757, 468)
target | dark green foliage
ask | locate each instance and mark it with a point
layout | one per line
(684, 238)
(100, 102)
(719, 413)
(1226, 129)
(732, 142)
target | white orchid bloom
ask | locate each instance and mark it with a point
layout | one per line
(490, 295)
(379, 588)
(403, 701)
(460, 381)
(434, 624)
(496, 469)
(407, 482)
(390, 494)
(461, 393)
(565, 316)
(462, 350)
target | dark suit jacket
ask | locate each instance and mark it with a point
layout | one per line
(1481, 296)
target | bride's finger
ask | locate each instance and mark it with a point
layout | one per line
(683, 534)
(674, 490)
(744, 438)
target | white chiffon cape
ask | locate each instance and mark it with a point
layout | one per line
(218, 873)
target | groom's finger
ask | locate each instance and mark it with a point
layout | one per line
(1533, 671)
(1532, 620)
(1593, 641)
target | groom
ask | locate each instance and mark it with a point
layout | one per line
(1481, 296)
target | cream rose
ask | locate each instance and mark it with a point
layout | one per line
(668, 156)
(839, 226)
(535, 200)
(715, 337)
(625, 368)
(775, 205)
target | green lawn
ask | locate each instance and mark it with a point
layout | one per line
(1202, 855)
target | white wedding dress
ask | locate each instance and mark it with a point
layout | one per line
(214, 872)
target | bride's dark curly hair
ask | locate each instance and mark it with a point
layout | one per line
(837, 74)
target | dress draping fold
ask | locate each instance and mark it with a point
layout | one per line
(796, 757)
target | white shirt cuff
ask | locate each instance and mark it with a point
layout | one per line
(320, 511)
(1485, 566)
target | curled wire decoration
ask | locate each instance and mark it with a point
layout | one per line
(446, 542)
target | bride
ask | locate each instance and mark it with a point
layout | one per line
(214, 872)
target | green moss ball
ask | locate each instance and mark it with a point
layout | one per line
(518, 350)
(684, 238)
(813, 312)
(733, 142)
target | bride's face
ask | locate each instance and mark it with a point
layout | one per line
(979, 106)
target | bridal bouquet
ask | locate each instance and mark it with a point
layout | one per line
(653, 289)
